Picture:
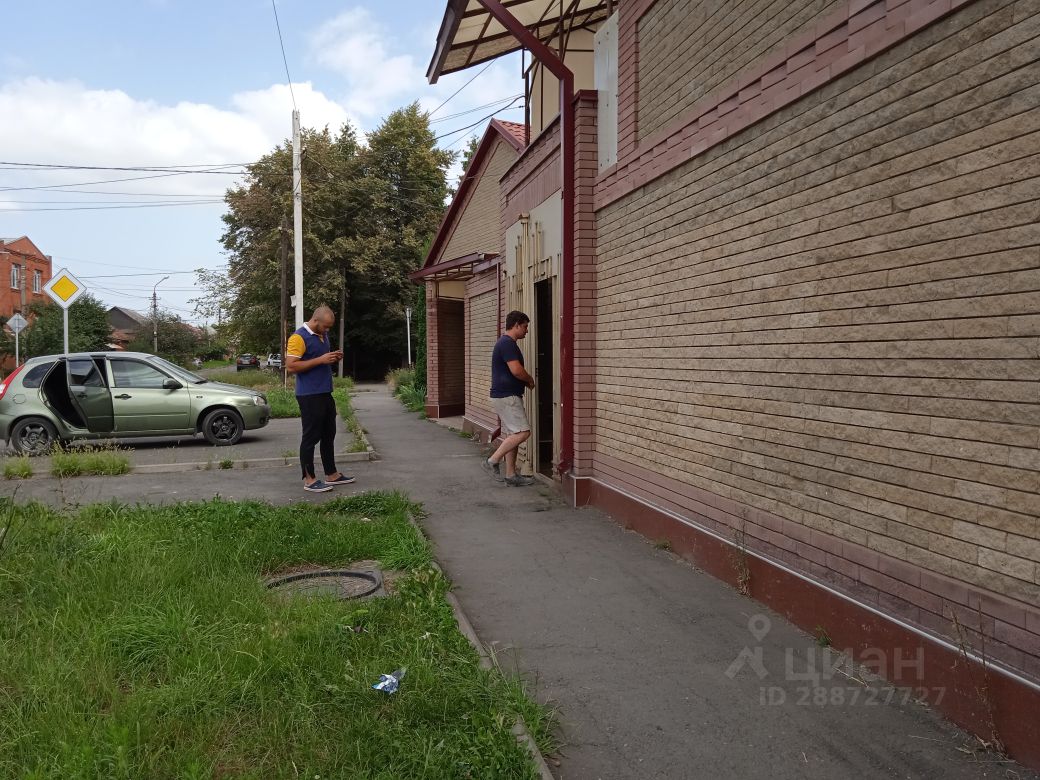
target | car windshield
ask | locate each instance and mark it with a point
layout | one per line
(177, 371)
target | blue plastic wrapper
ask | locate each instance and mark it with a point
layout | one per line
(388, 683)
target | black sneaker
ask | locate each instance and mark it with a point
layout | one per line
(518, 480)
(492, 469)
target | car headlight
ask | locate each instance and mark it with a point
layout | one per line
(259, 400)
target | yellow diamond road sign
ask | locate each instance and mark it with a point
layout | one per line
(64, 288)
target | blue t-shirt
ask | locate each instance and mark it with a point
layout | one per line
(307, 346)
(503, 383)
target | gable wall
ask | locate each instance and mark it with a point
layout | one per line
(476, 229)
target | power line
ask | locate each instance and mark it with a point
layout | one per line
(116, 208)
(136, 194)
(195, 199)
(121, 276)
(479, 121)
(66, 258)
(105, 181)
(207, 167)
(278, 25)
(453, 94)
(474, 109)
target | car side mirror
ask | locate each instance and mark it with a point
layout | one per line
(171, 384)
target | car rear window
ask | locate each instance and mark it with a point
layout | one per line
(84, 373)
(34, 376)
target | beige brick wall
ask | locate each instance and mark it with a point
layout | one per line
(834, 317)
(481, 313)
(690, 47)
(478, 222)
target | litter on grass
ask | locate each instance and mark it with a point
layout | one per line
(388, 683)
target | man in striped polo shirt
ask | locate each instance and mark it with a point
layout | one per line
(309, 356)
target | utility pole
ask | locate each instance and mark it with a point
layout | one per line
(21, 285)
(155, 315)
(297, 175)
(283, 263)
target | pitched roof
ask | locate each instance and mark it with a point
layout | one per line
(514, 135)
(140, 319)
(28, 248)
(514, 129)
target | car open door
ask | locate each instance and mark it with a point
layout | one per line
(90, 394)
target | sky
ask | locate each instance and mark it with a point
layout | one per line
(186, 83)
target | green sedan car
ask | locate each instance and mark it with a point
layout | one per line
(58, 398)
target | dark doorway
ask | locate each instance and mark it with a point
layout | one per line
(543, 298)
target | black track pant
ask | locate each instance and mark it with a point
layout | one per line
(318, 414)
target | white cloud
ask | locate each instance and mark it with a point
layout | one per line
(385, 69)
(62, 122)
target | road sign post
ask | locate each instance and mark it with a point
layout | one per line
(17, 324)
(65, 289)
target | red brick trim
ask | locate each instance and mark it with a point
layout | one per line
(484, 429)
(444, 410)
(586, 161)
(535, 176)
(883, 643)
(836, 44)
(926, 599)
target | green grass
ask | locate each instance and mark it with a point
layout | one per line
(141, 642)
(89, 461)
(346, 410)
(18, 468)
(269, 380)
(402, 384)
(250, 378)
(217, 363)
(283, 402)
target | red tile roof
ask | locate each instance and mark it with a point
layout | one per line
(516, 130)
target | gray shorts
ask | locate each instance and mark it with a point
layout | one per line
(511, 412)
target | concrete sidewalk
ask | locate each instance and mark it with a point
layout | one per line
(657, 668)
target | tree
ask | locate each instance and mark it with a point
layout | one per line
(247, 296)
(407, 176)
(6, 341)
(467, 157)
(368, 212)
(88, 327)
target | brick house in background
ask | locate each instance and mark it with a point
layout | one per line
(782, 264)
(25, 270)
(125, 324)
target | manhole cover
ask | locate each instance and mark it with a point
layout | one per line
(338, 583)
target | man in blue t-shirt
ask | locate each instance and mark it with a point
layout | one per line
(508, 380)
(309, 356)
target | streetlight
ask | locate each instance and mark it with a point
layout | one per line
(408, 331)
(155, 316)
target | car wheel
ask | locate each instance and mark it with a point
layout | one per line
(34, 436)
(222, 427)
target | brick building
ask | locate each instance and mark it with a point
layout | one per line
(461, 278)
(782, 260)
(25, 270)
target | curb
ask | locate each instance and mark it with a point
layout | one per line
(466, 627)
(214, 465)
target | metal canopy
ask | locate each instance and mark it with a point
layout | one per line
(460, 269)
(470, 35)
